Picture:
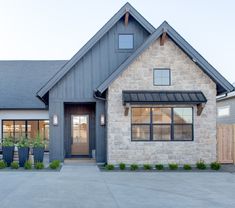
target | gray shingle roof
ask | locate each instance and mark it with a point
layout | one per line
(163, 97)
(20, 81)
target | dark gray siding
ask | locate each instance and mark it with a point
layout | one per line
(97, 64)
(227, 119)
(79, 83)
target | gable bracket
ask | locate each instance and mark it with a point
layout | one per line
(200, 108)
(126, 18)
(163, 38)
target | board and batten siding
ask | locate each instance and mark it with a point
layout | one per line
(78, 85)
(98, 63)
(22, 114)
(230, 119)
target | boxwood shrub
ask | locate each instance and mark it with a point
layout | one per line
(134, 167)
(2, 164)
(14, 165)
(28, 165)
(109, 167)
(215, 166)
(122, 166)
(187, 167)
(39, 165)
(201, 165)
(159, 166)
(147, 167)
(55, 164)
(173, 166)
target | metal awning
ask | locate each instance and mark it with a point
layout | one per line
(163, 97)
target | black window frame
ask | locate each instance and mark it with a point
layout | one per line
(126, 49)
(26, 126)
(159, 69)
(172, 124)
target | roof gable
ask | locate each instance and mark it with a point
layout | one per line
(126, 8)
(222, 84)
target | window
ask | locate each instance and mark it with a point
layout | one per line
(25, 128)
(161, 77)
(125, 41)
(223, 111)
(161, 124)
(140, 124)
(183, 126)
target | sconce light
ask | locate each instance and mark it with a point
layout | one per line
(55, 120)
(102, 119)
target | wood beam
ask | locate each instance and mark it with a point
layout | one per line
(163, 38)
(126, 18)
(200, 108)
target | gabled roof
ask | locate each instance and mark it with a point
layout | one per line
(20, 80)
(222, 84)
(126, 8)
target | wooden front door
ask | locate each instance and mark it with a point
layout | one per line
(80, 135)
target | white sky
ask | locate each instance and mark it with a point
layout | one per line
(57, 29)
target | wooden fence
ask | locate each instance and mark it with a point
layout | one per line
(226, 143)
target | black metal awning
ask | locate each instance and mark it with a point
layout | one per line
(163, 97)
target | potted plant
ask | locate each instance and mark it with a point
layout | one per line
(38, 149)
(23, 151)
(8, 150)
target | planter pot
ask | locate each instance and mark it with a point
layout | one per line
(38, 153)
(23, 155)
(8, 154)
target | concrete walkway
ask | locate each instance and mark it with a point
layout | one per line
(78, 186)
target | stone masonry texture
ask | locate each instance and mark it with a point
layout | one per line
(185, 75)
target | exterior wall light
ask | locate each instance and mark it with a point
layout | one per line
(55, 120)
(102, 119)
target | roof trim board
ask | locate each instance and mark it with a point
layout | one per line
(223, 85)
(126, 8)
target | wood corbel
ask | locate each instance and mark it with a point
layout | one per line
(163, 38)
(200, 108)
(126, 109)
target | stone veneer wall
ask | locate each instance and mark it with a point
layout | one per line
(185, 75)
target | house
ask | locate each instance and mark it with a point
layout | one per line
(132, 94)
(226, 109)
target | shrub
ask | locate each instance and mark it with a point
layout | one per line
(28, 165)
(14, 165)
(173, 166)
(8, 142)
(215, 166)
(2, 164)
(122, 166)
(159, 166)
(187, 167)
(147, 166)
(134, 167)
(38, 141)
(109, 167)
(201, 165)
(24, 142)
(39, 165)
(55, 164)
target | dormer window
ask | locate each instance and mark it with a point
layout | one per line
(125, 41)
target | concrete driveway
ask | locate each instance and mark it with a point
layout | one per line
(85, 186)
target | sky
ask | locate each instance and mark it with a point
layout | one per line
(57, 29)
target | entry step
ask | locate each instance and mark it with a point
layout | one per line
(80, 161)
